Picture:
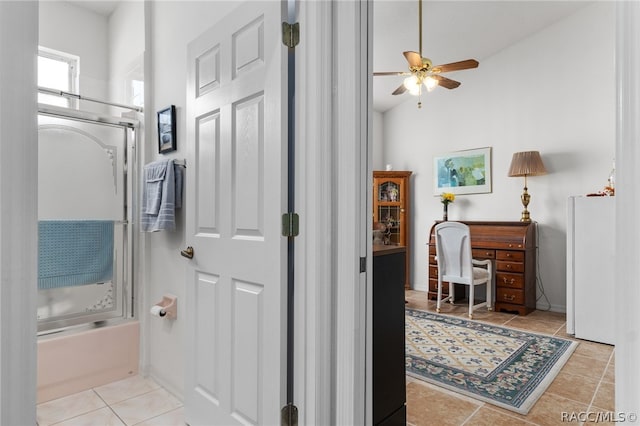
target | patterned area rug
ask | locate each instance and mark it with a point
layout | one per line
(505, 367)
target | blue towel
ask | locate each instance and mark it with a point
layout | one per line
(74, 252)
(154, 175)
(168, 198)
(179, 175)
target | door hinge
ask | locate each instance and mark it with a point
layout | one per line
(290, 224)
(363, 264)
(290, 34)
(289, 415)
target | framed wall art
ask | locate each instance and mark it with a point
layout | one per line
(463, 172)
(167, 130)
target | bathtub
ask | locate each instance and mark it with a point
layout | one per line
(78, 360)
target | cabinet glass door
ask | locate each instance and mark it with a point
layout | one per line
(389, 191)
(389, 209)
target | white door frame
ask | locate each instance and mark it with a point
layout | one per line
(627, 318)
(19, 214)
(332, 169)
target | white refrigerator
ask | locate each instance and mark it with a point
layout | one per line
(590, 268)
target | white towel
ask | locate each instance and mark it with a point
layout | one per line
(165, 191)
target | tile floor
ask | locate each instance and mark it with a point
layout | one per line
(132, 401)
(585, 384)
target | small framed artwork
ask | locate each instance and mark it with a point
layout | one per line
(167, 130)
(463, 172)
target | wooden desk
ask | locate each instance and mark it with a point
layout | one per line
(512, 247)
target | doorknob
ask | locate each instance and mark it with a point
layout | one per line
(188, 252)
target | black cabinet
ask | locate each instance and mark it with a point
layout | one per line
(389, 381)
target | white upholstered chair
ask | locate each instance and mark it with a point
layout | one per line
(456, 264)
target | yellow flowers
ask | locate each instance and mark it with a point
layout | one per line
(447, 197)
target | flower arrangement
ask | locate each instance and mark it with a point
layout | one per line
(447, 197)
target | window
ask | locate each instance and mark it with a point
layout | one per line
(59, 71)
(137, 93)
(134, 84)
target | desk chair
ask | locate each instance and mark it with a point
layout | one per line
(456, 265)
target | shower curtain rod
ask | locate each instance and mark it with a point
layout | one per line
(64, 94)
(74, 114)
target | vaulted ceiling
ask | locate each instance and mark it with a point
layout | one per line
(452, 31)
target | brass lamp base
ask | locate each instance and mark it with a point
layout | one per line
(525, 198)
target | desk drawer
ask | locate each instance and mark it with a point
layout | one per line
(504, 279)
(483, 254)
(433, 272)
(514, 256)
(509, 295)
(433, 286)
(505, 265)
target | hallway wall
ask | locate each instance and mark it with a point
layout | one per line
(553, 92)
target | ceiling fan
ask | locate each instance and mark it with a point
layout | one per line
(422, 71)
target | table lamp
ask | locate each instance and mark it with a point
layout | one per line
(525, 164)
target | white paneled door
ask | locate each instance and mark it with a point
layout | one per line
(236, 194)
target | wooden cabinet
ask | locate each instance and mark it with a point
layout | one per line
(388, 376)
(391, 203)
(512, 247)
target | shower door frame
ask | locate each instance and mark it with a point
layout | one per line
(131, 127)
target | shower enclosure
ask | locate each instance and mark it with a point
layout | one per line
(85, 175)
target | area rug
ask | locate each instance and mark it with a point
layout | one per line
(504, 367)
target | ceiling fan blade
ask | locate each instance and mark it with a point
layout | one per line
(446, 82)
(456, 66)
(414, 59)
(400, 90)
(392, 73)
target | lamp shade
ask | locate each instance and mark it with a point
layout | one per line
(527, 163)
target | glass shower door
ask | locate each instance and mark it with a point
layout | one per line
(83, 222)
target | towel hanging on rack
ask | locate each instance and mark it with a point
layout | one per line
(161, 195)
(74, 252)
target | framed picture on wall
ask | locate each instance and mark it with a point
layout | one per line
(167, 130)
(463, 172)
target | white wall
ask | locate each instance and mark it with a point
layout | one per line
(126, 37)
(553, 92)
(173, 25)
(72, 29)
(377, 140)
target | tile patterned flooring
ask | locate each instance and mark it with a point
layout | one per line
(585, 384)
(132, 401)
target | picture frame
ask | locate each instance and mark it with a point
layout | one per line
(463, 172)
(167, 130)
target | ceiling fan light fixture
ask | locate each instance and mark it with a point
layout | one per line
(422, 71)
(412, 84)
(430, 83)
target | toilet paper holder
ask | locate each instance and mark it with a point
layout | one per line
(168, 306)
